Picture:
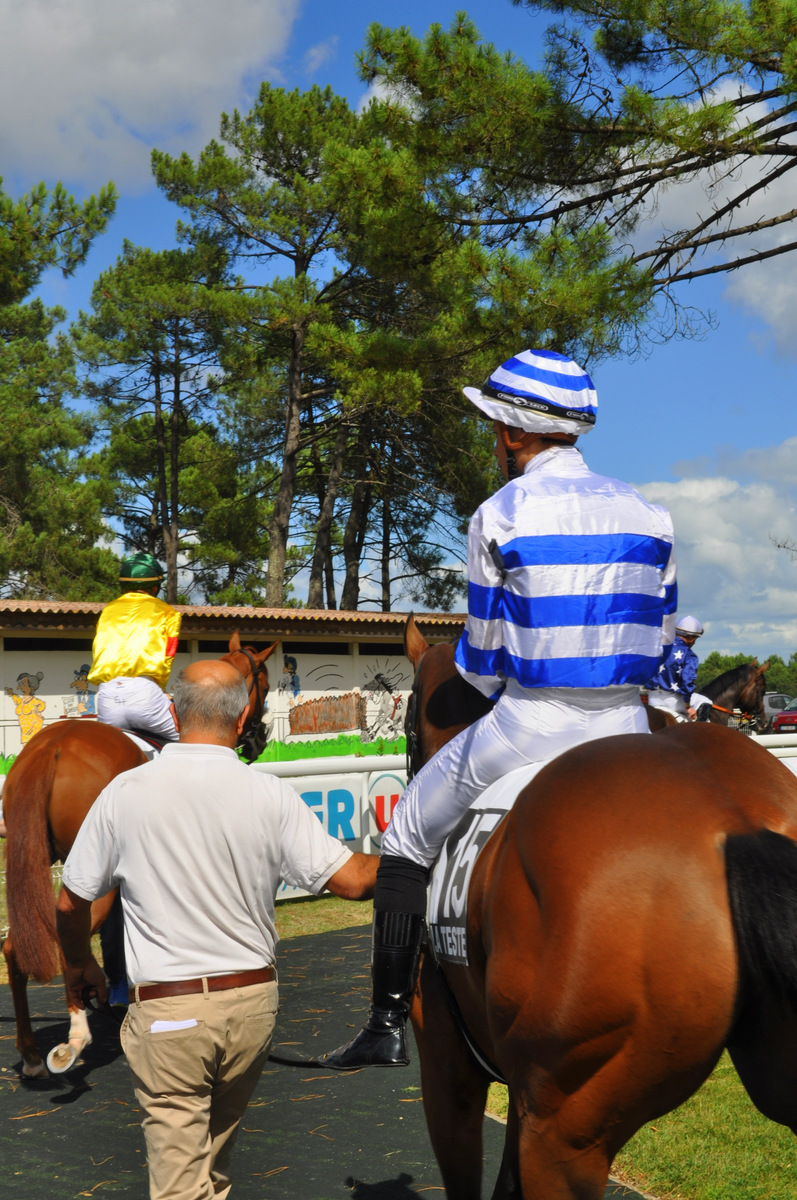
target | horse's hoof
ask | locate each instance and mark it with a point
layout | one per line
(34, 1071)
(61, 1058)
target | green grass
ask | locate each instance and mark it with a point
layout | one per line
(716, 1146)
(295, 918)
(343, 744)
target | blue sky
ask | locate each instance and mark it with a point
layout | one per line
(708, 427)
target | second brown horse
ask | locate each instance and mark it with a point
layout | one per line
(48, 791)
(634, 914)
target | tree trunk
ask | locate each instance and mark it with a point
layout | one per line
(354, 535)
(385, 550)
(329, 579)
(170, 549)
(279, 525)
(322, 557)
(171, 533)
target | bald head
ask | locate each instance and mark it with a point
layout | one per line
(209, 699)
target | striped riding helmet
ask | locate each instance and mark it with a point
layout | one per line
(539, 391)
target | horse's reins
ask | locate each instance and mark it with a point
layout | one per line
(413, 748)
(745, 716)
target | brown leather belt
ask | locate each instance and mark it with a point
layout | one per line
(215, 983)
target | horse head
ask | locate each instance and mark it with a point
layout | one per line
(442, 703)
(251, 664)
(751, 697)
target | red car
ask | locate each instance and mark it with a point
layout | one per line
(786, 720)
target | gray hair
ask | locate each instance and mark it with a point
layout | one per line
(209, 704)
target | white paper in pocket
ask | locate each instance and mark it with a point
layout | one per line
(170, 1026)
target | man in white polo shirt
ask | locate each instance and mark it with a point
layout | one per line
(197, 843)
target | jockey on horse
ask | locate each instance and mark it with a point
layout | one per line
(672, 687)
(134, 647)
(571, 604)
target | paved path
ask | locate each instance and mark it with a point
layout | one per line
(308, 1134)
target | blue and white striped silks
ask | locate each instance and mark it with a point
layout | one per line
(540, 391)
(571, 582)
(550, 378)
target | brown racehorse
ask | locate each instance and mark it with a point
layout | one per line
(742, 687)
(634, 914)
(51, 786)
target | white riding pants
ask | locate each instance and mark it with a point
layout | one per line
(672, 702)
(139, 703)
(521, 729)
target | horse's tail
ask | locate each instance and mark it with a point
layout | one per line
(761, 870)
(29, 886)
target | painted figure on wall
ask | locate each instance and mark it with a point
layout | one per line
(29, 709)
(388, 720)
(85, 696)
(290, 678)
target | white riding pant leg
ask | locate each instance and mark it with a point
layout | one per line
(136, 704)
(521, 729)
(672, 702)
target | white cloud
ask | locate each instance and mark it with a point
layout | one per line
(88, 87)
(320, 54)
(380, 90)
(730, 573)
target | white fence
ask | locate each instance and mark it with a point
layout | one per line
(354, 797)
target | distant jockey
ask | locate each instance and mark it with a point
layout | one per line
(134, 648)
(571, 603)
(672, 687)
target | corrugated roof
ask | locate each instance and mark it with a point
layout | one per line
(54, 615)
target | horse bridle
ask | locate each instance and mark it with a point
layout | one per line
(254, 734)
(413, 750)
(747, 716)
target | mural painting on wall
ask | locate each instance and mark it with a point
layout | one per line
(384, 691)
(82, 703)
(28, 707)
(329, 705)
(289, 681)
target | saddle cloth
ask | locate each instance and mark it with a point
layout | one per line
(448, 894)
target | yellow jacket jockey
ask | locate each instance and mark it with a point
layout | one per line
(134, 647)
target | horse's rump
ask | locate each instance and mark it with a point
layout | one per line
(29, 888)
(48, 791)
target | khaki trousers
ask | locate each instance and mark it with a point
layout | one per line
(193, 1080)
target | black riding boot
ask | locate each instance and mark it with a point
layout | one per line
(395, 950)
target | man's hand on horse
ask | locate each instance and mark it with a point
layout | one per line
(85, 982)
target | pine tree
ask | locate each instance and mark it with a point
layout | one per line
(51, 526)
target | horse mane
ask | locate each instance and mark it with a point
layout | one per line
(29, 887)
(730, 683)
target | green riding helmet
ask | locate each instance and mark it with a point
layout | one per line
(141, 572)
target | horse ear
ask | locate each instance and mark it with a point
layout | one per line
(761, 670)
(415, 644)
(267, 653)
(235, 643)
